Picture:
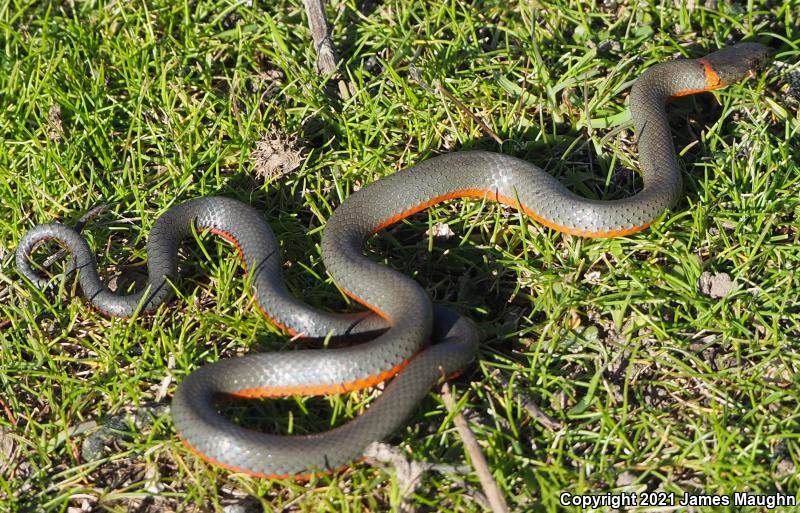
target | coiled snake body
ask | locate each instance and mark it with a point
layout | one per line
(400, 310)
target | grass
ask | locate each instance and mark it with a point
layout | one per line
(654, 384)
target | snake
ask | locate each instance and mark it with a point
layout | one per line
(410, 339)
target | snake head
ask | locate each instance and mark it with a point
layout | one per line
(736, 62)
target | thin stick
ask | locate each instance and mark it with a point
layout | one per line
(326, 54)
(417, 77)
(488, 131)
(9, 415)
(490, 488)
(529, 404)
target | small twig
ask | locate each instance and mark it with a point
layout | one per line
(9, 415)
(529, 404)
(490, 488)
(416, 76)
(488, 131)
(326, 54)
